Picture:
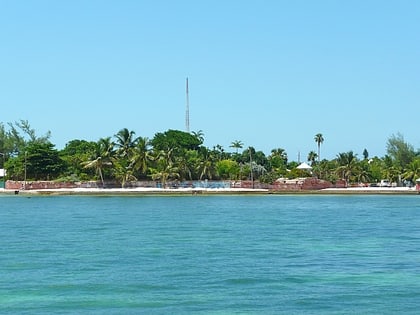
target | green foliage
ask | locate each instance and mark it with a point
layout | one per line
(175, 140)
(40, 161)
(227, 169)
(178, 155)
(237, 144)
(74, 154)
(125, 143)
(123, 171)
(400, 151)
(319, 139)
(412, 173)
(19, 134)
(298, 173)
(101, 157)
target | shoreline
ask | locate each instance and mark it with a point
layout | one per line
(209, 191)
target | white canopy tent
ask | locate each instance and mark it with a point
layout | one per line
(304, 166)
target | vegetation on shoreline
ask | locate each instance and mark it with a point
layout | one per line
(178, 155)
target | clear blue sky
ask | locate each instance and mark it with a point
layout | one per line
(271, 74)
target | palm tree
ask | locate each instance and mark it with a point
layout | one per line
(237, 144)
(125, 142)
(312, 157)
(412, 171)
(141, 155)
(123, 171)
(319, 139)
(347, 165)
(101, 157)
(219, 152)
(206, 165)
(165, 168)
(277, 160)
(199, 135)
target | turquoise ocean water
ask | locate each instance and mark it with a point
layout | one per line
(210, 255)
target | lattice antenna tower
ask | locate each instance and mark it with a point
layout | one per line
(187, 111)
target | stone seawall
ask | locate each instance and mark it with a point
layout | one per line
(38, 185)
(297, 184)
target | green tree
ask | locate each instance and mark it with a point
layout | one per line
(184, 165)
(312, 157)
(164, 168)
(74, 154)
(125, 143)
(365, 154)
(142, 156)
(42, 161)
(199, 135)
(14, 140)
(227, 169)
(101, 158)
(412, 172)
(237, 144)
(401, 152)
(123, 171)
(278, 158)
(218, 153)
(175, 140)
(347, 163)
(206, 164)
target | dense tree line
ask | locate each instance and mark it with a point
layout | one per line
(180, 156)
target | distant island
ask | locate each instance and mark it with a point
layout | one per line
(175, 157)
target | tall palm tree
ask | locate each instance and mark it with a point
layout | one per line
(319, 139)
(237, 144)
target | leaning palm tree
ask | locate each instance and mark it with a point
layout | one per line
(412, 172)
(101, 157)
(123, 172)
(319, 139)
(165, 168)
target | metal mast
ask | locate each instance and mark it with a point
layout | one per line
(187, 112)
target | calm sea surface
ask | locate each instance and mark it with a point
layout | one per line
(210, 255)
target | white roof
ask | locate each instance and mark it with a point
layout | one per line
(304, 166)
